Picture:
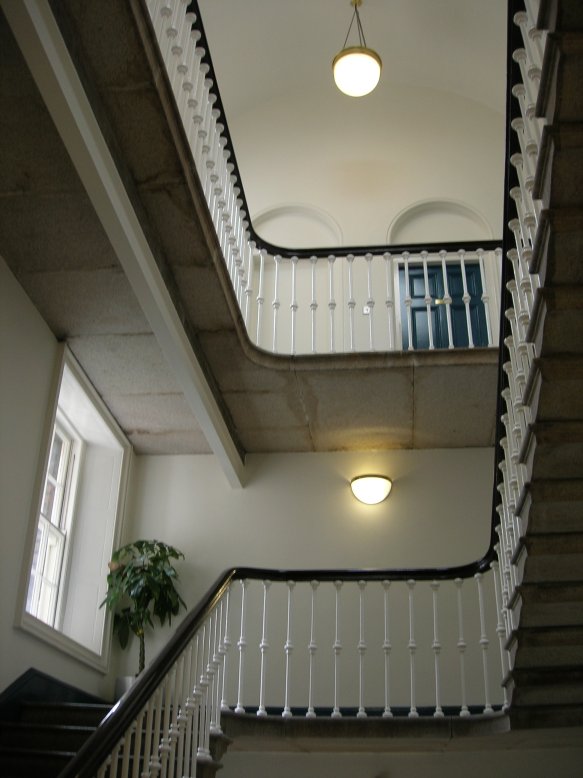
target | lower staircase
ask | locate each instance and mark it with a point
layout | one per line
(547, 677)
(45, 737)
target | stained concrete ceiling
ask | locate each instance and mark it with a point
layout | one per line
(62, 253)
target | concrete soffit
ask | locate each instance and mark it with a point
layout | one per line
(49, 61)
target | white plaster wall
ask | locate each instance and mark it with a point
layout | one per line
(28, 356)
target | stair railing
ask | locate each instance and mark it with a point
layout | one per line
(315, 301)
(519, 373)
(309, 643)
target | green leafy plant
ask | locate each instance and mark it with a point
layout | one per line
(140, 583)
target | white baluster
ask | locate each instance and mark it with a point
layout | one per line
(312, 648)
(408, 302)
(390, 299)
(204, 752)
(466, 298)
(224, 651)
(275, 303)
(370, 301)
(485, 297)
(214, 666)
(263, 647)
(155, 764)
(427, 300)
(337, 648)
(351, 302)
(500, 627)
(436, 646)
(447, 301)
(361, 651)
(484, 643)
(250, 279)
(412, 645)
(461, 644)
(242, 645)
(331, 301)
(164, 747)
(260, 297)
(293, 305)
(314, 303)
(288, 648)
(148, 734)
(137, 739)
(387, 713)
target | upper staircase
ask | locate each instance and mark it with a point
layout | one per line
(547, 642)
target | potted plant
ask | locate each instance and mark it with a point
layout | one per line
(141, 586)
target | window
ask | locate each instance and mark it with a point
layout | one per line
(76, 522)
(54, 522)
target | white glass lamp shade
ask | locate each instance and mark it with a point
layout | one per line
(357, 70)
(371, 489)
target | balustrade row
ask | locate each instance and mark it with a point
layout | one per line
(268, 286)
(518, 369)
(172, 732)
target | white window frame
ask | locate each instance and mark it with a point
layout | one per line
(78, 482)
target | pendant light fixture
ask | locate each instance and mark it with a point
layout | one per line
(357, 69)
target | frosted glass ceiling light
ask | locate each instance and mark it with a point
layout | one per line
(357, 69)
(371, 489)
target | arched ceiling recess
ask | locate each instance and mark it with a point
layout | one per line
(432, 130)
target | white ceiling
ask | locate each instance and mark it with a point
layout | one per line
(432, 132)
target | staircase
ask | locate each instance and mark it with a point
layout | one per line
(45, 737)
(547, 677)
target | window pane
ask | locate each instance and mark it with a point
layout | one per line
(48, 500)
(55, 456)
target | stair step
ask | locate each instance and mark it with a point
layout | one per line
(549, 605)
(552, 505)
(533, 647)
(28, 763)
(559, 173)
(553, 449)
(547, 685)
(45, 736)
(559, 244)
(566, 15)
(560, 96)
(542, 717)
(80, 714)
(556, 396)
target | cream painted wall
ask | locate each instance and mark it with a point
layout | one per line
(28, 358)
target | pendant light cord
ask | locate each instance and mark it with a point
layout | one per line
(361, 37)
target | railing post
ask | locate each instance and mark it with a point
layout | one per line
(466, 298)
(408, 302)
(428, 300)
(288, 648)
(263, 647)
(293, 305)
(260, 296)
(370, 301)
(312, 648)
(337, 647)
(436, 646)
(461, 644)
(224, 651)
(500, 629)
(412, 649)
(331, 301)
(241, 645)
(447, 301)
(361, 651)
(390, 299)
(387, 713)
(351, 303)
(275, 304)
(314, 302)
(484, 643)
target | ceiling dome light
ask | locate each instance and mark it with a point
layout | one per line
(357, 69)
(371, 489)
